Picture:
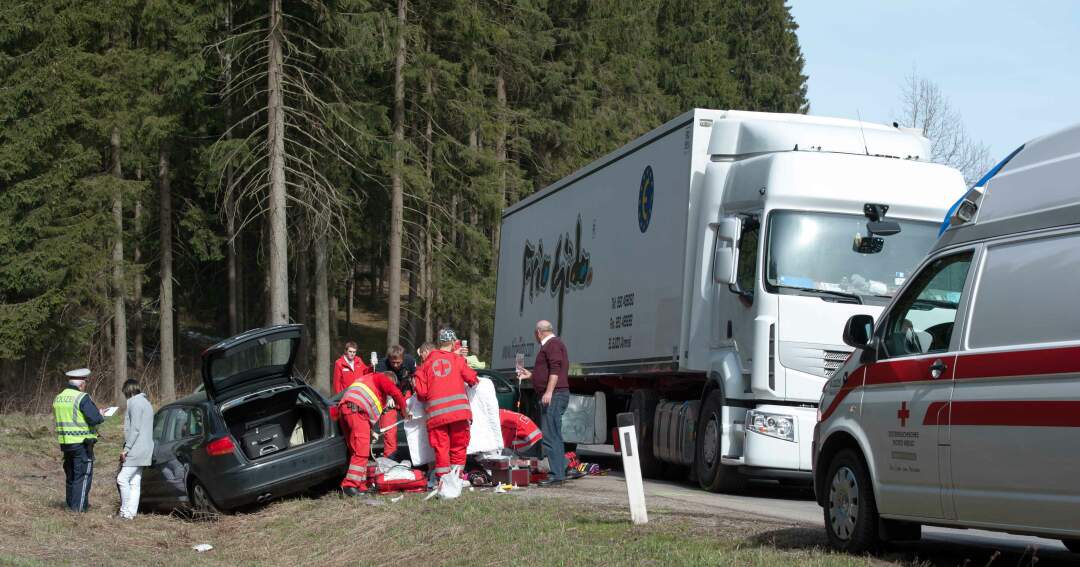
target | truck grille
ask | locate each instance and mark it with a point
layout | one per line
(832, 360)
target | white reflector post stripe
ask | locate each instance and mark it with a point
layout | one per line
(635, 489)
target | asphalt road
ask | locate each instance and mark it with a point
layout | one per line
(939, 545)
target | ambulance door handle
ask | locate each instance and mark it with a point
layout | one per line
(937, 369)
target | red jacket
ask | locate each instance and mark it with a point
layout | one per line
(368, 395)
(518, 431)
(345, 375)
(440, 384)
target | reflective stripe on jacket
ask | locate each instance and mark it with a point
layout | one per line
(362, 396)
(440, 384)
(519, 432)
(71, 425)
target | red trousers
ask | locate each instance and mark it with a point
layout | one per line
(357, 431)
(450, 443)
(390, 436)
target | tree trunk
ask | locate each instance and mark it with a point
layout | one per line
(278, 243)
(393, 323)
(350, 301)
(322, 323)
(233, 273)
(333, 316)
(428, 260)
(165, 325)
(230, 224)
(136, 299)
(118, 287)
(500, 157)
(303, 307)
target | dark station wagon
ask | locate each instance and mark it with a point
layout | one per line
(254, 433)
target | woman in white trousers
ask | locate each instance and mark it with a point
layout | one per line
(138, 447)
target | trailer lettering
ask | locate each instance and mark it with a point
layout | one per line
(570, 270)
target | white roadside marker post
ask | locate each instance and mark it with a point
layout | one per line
(635, 489)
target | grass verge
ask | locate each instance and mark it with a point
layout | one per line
(481, 528)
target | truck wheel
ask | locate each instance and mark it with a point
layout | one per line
(712, 475)
(1072, 545)
(851, 517)
(643, 405)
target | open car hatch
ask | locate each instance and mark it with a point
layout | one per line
(253, 360)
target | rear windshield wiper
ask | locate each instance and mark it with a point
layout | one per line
(853, 298)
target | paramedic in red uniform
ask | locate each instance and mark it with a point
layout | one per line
(518, 431)
(348, 368)
(403, 367)
(440, 384)
(359, 408)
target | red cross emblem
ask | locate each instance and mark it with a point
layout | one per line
(903, 414)
(441, 368)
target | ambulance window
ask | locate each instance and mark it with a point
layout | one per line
(922, 319)
(1024, 294)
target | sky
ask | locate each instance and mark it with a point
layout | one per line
(1011, 69)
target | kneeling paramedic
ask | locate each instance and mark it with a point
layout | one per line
(519, 432)
(440, 384)
(359, 409)
(77, 419)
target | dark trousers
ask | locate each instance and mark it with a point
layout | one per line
(551, 426)
(79, 474)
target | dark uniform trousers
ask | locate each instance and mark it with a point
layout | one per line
(79, 473)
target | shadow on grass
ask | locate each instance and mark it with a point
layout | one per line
(931, 552)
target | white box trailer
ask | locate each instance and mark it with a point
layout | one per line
(701, 276)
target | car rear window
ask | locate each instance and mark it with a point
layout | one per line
(1026, 294)
(265, 355)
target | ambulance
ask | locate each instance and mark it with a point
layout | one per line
(960, 406)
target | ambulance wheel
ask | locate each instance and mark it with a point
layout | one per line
(643, 405)
(851, 516)
(201, 503)
(1072, 545)
(713, 475)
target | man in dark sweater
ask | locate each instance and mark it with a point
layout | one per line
(549, 380)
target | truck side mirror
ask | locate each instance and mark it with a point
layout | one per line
(726, 253)
(859, 331)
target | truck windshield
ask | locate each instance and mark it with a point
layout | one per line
(817, 254)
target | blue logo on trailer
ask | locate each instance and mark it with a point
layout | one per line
(645, 199)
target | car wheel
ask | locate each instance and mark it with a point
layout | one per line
(851, 517)
(713, 475)
(1072, 545)
(201, 502)
(643, 405)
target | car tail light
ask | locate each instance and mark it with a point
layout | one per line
(221, 446)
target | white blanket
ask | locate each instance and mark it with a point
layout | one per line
(485, 434)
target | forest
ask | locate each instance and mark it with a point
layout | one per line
(173, 172)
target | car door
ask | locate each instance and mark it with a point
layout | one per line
(153, 479)
(168, 471)
(1016, 405)
(908, 386)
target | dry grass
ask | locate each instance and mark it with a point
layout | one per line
(479, 529)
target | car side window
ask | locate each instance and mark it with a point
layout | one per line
(188, 422)
(922, 319)
(501, 387)
(160, 421)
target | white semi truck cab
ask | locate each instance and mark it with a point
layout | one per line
(701, 277)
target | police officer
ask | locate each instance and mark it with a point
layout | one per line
(77, 419)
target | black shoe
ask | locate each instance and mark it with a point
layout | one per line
(351, 491)
(550, 481)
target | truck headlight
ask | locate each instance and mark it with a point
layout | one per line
(771, 424)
